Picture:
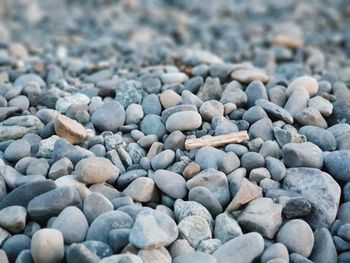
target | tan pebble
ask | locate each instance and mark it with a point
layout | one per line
(69, 129)
(191, 170)
(156, 148)
(169, 98)
(249, 75)
(229, 107)
(307, 82)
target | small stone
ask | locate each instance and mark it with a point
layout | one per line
(13, 218)
(263, 216)
(259, 174)
(194, 229)
(94, 170)
(69, 129)
(310, 116)
(128, 92)
(47, 246)
(142, 189)
(210, 90)
(195, 257)
(252, 242)
(73, 225)
(191, 170)
(297, 236)
(304, 154)
(234, 95)
(180, 247)
(60, 168)
(14, 245)
(307, 82)
(285, 136)
(17, 150)
(208, 246)
(152, 124)
(62, 104)
(323, 105)
(109, 117)
(172, 184)
(321, 137)
(249, 75)
(324, 249)
(173, 77)
(183, 121)
(275, 251)
(96, 204)
(134, 114)
(156, 255)
(206, 198)
(319, 189)
(295, 207)
(251, 160)
(262, 129)
(276, 168)
(175, 140)
(338, 164)
(151, 105)
(210, 109)
(163, 160)
(153, 229)
(226, 228)
(275, 111)
(169, 98)
(228, 163)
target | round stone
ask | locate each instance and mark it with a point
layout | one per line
(94, 170)
(297, 236)
(152, 124)
(109, 117)
(172, 184)
(307, 82)
(17, 150)
(47, 246)
(69, 129)
(96, 204)
(184, 121)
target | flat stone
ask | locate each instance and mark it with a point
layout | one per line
(184, 121)
(252, 242)
(47, 246)
(319, 189)
(249, 75)
(170, 183)
(153, 229)
(69, 129)
(275, 111)
(263, 216)
(94, 170)
(297, 236)
(324, 106)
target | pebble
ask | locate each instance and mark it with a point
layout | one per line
(71, 222)
(337, 164)
(47, 245)
(151, 105)
(297, 101)
(69, 129)
(153, 229)
(173, 77)
(172, 184)
(195, 257)
(234, 95)
(17, 150)
(133, 114)
(14, 245)
(259, 174)
(324, 106)
(205, 197)
(249, 75)
(226, 227)
(308, 83)
(155, 255)
(252, 160)
(254, 247)
(324, 139)
(96, 204)
(122, 258)
(184, 121)
(109, 117)
(211, 109)
(13, 218)
(276, 168)
(262, 215)
(94, 170)
(169, 98)
(194, 229)
(152, 124)
(142, 189)
(180, 247)
(275, 251)
(324, 249)
(304, 154)
(262, 129)
(275, 111)
(319, 189)
(297, 236)
(310, 116)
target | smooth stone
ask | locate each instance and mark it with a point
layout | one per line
(151, 105)
(94, 170)
(343, 231)
(4, 235)
(226, 228)
(191, 170)
(324, 250)
(249, 75)
(210, 90)
(324, 106)
(62, 148)
(341, 104)
(295, 207)
(47, 246)
(133, 114)
(163, 160)
(214, 181)
(41, 208)
(180, 247)
(13, 218)
(152, 124)
(277, 95)
(126, 178)
(296, 258)
(106, 222)
(25, 257)
(187, 97)
(109, 117)
(94, 205)
(297, 236)
(14, 245)
(252, 160)
(338, 164)
(17, 150)
(308, 83)
(263, 216)
(169, 98)
(69, 129)
(297, 101)
(175, 140)
(184, 121)
(276, 168)
(228, 163)
(62, 104)
(71, 222)
(237, 149)
(194, 229)
(208, 157)
(304, 154)
(195, 257)
(60, 168)
(319, 189)
(38, 167)
(234, 95)
(324, 139)
(343, 214)
(209, 245)
(211, 109)
(254, 114)
(142, 189)
(252, 242)
(25, 79)
(24, 194)
(118, 239)
(153, 229)
(275, 251)
(172, 184)
(275, 111)
(173, 77)
(175, 109)
(259, 174)
(310, 116)
(263, 129)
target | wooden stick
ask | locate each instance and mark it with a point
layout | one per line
(216, 141)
